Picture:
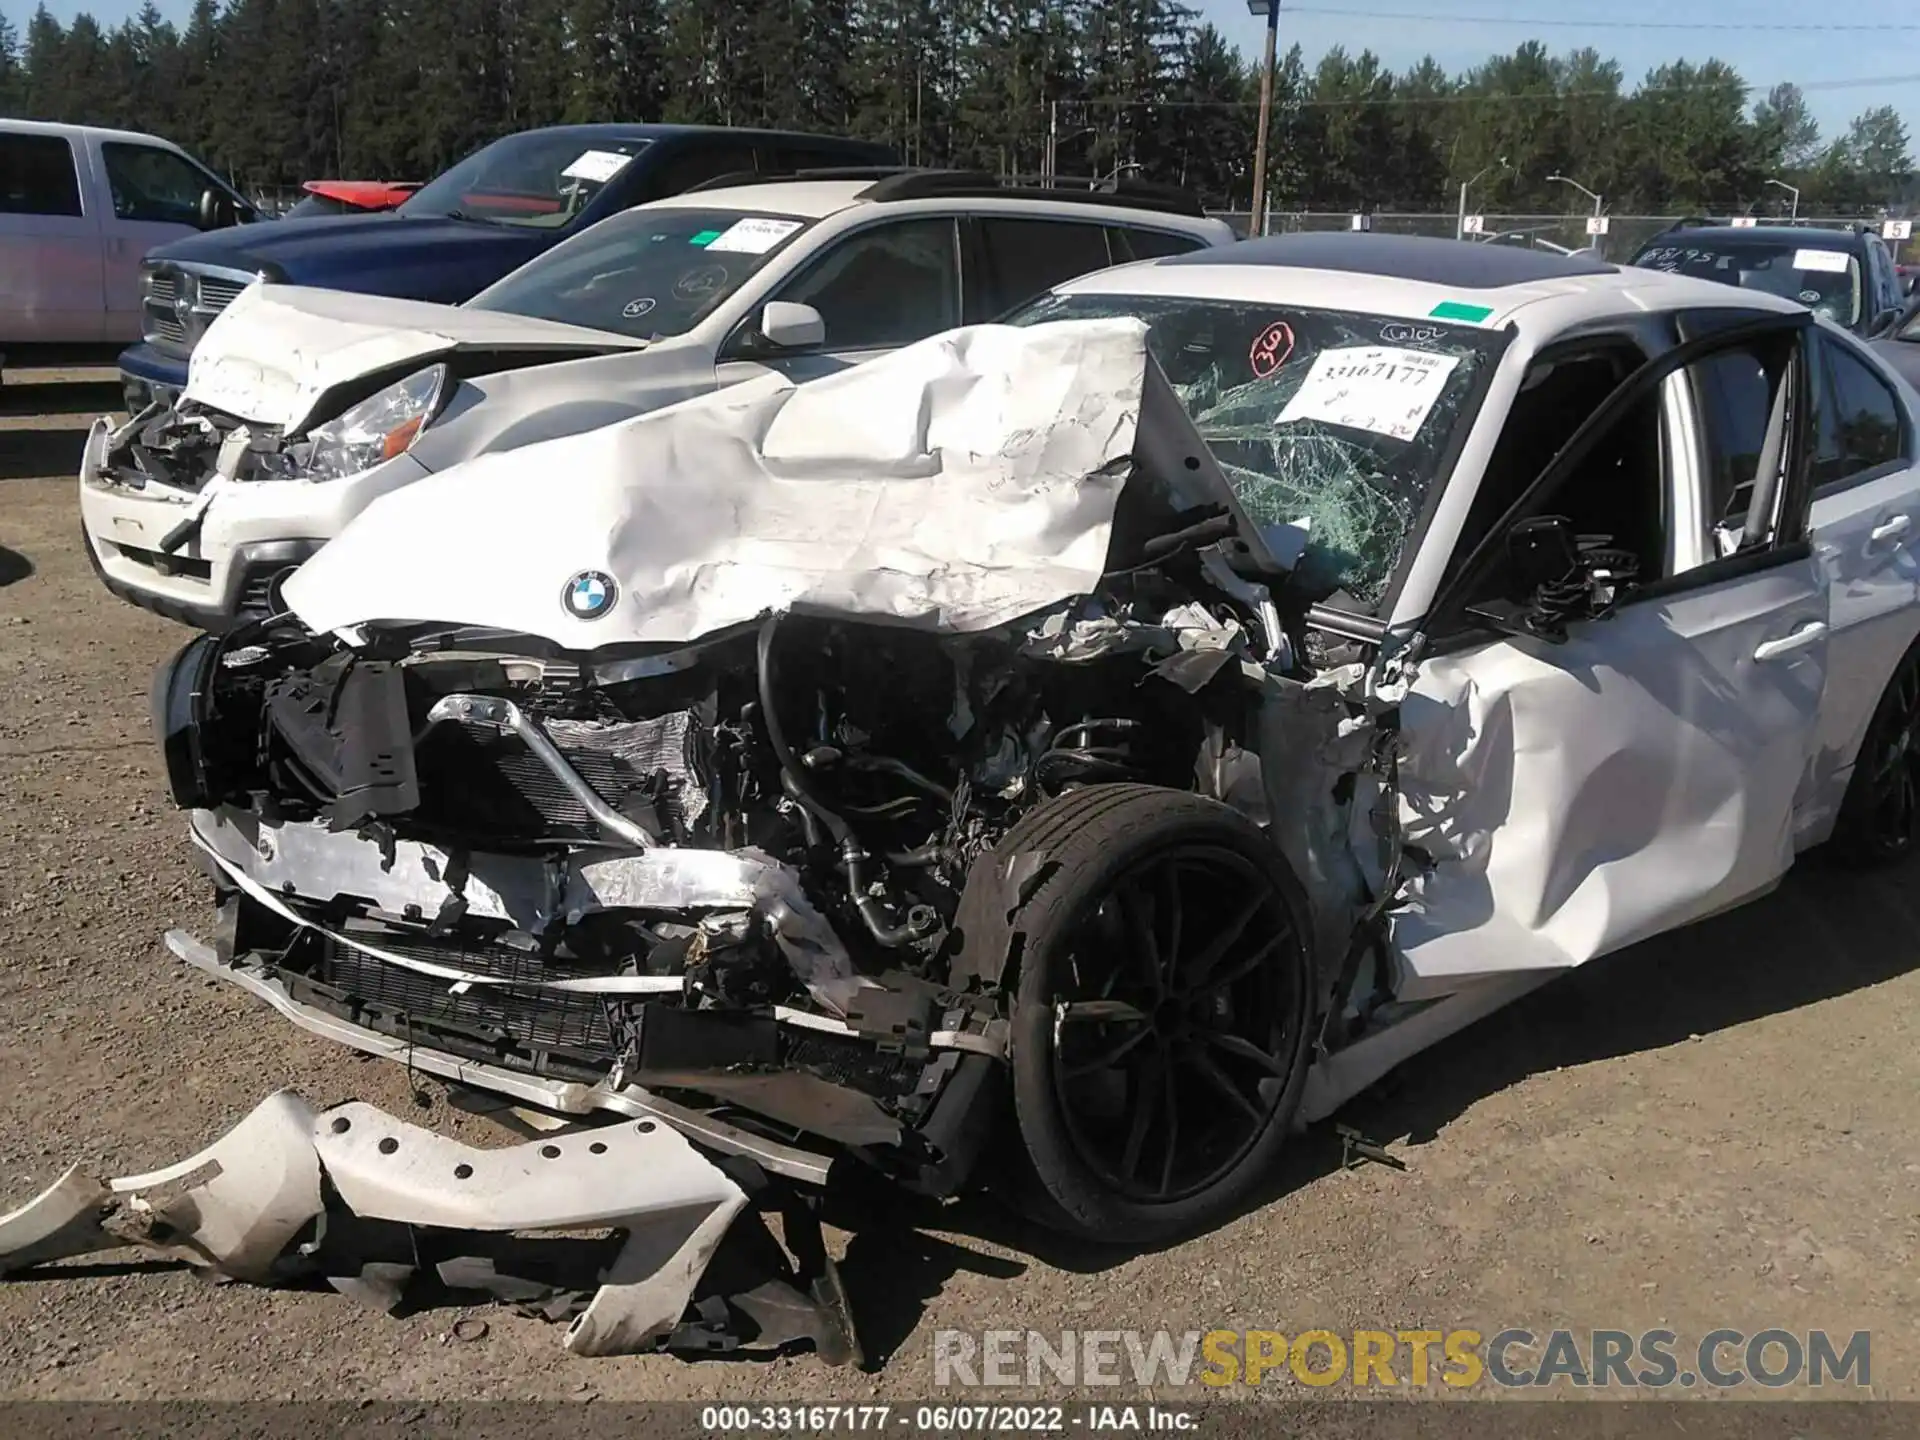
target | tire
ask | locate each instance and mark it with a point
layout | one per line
(1879, 820)
(1154, 1081)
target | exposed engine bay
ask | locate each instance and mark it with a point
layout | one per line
(742, 859)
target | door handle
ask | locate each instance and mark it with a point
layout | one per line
(1891, 529)
(1806, 635)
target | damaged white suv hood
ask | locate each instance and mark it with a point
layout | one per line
(960, 483)
(272, 354)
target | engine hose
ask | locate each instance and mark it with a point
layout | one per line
(920, 920)
(790, 768)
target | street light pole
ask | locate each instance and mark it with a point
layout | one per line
(1271, 9)
(1568, 180)
(1460, 226)
(1794, 193)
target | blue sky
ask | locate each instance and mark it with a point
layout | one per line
(1639, 33)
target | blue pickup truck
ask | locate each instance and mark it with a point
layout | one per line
(487, 216)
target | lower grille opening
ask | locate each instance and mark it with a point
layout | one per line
(542, 1032)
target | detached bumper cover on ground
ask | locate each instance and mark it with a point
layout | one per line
(368, 1202)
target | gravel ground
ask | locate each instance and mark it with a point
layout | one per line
(1712, 1130)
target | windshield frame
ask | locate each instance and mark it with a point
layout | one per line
(1447, 453)
(721, 311)
(432, 201)
(1768, 248)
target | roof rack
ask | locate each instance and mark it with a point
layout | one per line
(965, 184)
(775, 177)
(909, 182)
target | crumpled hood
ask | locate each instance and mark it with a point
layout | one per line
(960, 483)
(272, 354)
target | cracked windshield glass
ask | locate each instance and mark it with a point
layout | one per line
(1332, 426)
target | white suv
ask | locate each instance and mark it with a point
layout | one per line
(302, 406)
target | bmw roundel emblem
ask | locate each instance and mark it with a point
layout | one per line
(589, 595)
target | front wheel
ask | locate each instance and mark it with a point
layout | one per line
(1160, 1032)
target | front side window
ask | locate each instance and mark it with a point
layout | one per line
(541, 179)
(1827, 281)
(149, 183)
(1329, 422)
(648, 273)
(1857, 422)
(885, 286)
(37, 176)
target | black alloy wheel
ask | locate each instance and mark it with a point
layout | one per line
(1161, 1028)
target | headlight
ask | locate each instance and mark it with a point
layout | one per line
(377, 429)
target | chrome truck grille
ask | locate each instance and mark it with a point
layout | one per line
(181, 301)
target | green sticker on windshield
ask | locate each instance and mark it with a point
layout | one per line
(1454, 310)
(705, 237)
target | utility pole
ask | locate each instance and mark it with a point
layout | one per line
(1257, 222)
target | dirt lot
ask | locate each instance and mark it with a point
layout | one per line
(1713, 1130)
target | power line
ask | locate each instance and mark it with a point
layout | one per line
(1565, 24)
(1546, 97)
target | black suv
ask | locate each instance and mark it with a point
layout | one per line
(1846, 275)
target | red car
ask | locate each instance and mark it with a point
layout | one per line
(352, 197)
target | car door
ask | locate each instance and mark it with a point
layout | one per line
(50, 269)
(1567, 799)
(156, 198)
(877, 288)
(1866, 535)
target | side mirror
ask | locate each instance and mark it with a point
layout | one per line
(216, 210)
(787, 326)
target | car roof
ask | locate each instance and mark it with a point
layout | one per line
(1416, 278)
(655, 130)
(1807, 237)
(817, 199)
(97, 132)
(1454, 264)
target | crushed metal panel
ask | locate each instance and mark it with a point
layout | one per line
(960, 483)
(271, 355)
(266, 1189)
(1577, 798)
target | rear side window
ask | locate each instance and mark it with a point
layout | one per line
(1857, 425)
(1025, 258)
(679, 172)
(782, 159)
(37, 176)
(1149, 244)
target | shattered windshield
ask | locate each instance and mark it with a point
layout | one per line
(1331, 425)
(1824, 279)
(647, 273)
(542, 178)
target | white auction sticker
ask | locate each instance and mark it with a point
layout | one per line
(1372, 387)
(1830, 262)
(754, 235)
(597, 166)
